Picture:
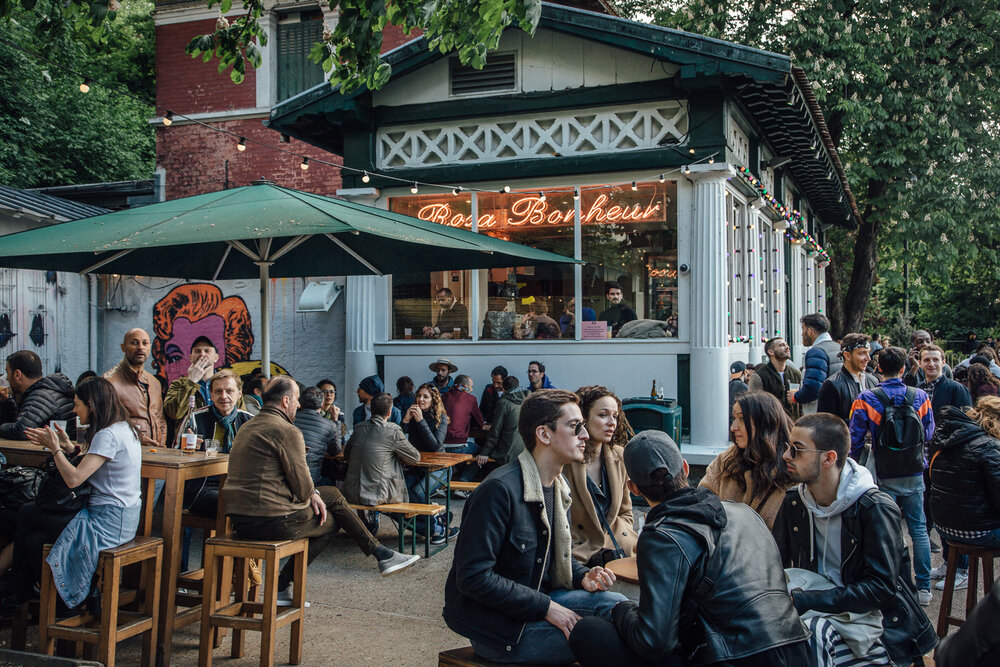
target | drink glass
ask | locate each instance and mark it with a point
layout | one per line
(211, 447)
(61, 423)
(408, 333)
(190, 442)
(456, 332)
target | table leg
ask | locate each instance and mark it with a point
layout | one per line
(447, 506)
(173, 495)
(148, 498)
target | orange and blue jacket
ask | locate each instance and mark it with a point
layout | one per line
(866, 413)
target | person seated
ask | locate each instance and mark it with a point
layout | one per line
(425, 425)
(538, 316)
(618, 312)
(329, 409)
(367, 388)
(601, 516)
(269, 494)
(323, 436)
(711, 587)
(503, 443)
(111, 466)
(751, 470)
(405, 396)
(838, 392)
(452, 319)
(965, 480)
(567, 321)
(492, 393)
(375, 455)
(513, 588)
(442, 369)
(36, 399)
(463, 416)
(976, 644)
(253, 389)
(204, 358)
(836, 522)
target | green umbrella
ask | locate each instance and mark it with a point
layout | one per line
(276, 233)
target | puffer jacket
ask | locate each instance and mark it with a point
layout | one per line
(965, 474)
(322, 436)
(821, 361)
(51, 397)
(504, 442)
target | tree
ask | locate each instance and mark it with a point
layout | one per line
(910, 92)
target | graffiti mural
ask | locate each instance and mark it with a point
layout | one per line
(193, 310)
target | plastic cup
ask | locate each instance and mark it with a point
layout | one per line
(190, 442)
(211, 447)
(456, 332)
(793, 386)
(61, 423)
(407, 333)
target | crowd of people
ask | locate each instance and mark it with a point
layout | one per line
(789, 550)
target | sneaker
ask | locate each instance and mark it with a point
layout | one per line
(935, 547)
(961, 581)
(285, 597)
(396, 562)
(439, 538)
(925, 597)
(939, 572)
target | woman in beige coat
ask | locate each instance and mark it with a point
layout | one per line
(751, 471)
(600, 481)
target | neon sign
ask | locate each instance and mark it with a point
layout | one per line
(533, 211)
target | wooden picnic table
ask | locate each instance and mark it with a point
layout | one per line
(174, 467)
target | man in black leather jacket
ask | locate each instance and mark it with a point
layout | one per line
(838, 392)
(836, 522)
(712, 591)
(514, 588)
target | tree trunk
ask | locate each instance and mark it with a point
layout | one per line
(835, 303)
(865, 257)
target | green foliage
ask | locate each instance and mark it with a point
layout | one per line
(50, 132)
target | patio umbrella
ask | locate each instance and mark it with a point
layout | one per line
(276, 233)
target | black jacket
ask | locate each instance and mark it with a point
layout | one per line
(323, 437)
(503, 442)
(493, 588)
(965, 474)
(839, 391)
(949, 392)
(424, 435)
(976, 644)
(51, 397)
(711, 582)
(875, 567)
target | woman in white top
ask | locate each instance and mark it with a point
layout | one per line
(112, 465)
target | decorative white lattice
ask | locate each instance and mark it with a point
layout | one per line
(581, 131)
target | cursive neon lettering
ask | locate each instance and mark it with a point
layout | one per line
(534, 211)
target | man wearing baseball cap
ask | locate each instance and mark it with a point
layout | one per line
(712, 590)
(737, 382)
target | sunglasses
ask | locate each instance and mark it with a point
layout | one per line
(577, 426)
(795, 450)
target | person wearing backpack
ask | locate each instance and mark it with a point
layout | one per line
(899, 420)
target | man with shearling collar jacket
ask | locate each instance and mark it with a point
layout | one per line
(836, 522)
(514, 588)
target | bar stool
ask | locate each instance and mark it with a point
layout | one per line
(114, 624)
(978, 556)
(242, 614)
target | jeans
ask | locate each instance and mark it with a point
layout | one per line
(415, 488)
(468, 471)
(908, 492)
(541, 642)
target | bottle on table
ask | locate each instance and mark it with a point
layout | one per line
(188, 423)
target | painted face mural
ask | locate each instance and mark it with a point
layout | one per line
(193, 310)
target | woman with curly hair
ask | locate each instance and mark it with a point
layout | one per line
(981, 382)
(751, 470)
(601, 513)
(425, 425)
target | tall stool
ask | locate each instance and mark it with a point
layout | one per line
(242, 614)
(978, 556)
(114, 624)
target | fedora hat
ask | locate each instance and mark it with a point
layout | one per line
(452, 368)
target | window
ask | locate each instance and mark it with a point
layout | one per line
(297, 32)
(629, 237)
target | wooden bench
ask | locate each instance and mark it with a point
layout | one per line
(466, 657)
(464, 486)
(406, 514)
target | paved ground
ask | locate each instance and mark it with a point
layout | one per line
(360, 618)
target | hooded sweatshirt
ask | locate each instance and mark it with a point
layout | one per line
(824, 522)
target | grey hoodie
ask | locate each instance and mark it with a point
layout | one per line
(824, 522)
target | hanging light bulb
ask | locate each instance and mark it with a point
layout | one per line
(687, 170)
(635, 186)
(711, 159)
(85, 86)
(455, 191)
(576, 194)
(691, 151)
(505, 189)
(541, 196)
(662, 178)
(242, 145)
(365, 177)
(305, 164)
(168, 118)
(413, 188)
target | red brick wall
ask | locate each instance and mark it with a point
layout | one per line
(393, 37)
(194, 159)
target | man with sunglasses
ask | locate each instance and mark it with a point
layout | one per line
(514, 588)
(836, 523)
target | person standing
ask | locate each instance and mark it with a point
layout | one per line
(913, 374)
(777, 375)
(837, 394)
(537, 379)
(618, 312)
(737, 384)
(442, 368)
(503, 443)
(492, 393)
(821, 361)
(139, 391)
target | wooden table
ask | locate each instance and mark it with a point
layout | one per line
(174, 467)
(433, 462)
(626, 577)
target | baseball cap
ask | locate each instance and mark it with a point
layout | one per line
(649, 451)
(737, 367)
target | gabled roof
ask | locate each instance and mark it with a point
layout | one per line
(778, 100)
(42, 208)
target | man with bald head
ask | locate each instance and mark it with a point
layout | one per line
(139, 390)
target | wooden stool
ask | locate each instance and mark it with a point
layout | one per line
(241, 614)
(977, 556)
(115, 624)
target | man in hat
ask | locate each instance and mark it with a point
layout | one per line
(710, 577)
(737, 385)
(443, 368)
(368, 389)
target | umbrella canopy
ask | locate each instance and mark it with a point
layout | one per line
(276, 232)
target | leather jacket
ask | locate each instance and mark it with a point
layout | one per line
(712, 586)
(839, 391)
(144, 406)
(875, 568)
(965, 474)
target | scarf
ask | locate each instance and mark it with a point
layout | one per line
(228, 424)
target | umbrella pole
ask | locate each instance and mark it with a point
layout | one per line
(265, 319)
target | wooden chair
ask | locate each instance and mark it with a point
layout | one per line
(114, 624)
(978, 556)
(242, 614)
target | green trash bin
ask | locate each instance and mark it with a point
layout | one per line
(661, 414)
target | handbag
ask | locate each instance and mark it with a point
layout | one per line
(19, 485)
(53, 493)
(618, 552)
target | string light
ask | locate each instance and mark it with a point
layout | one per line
(686, 170)
(635, 188)
(455, 191)
(691, 151)
(241, 145)
(505, 189)
(168, 118)
(662, 179)
(305, 164)
(541, 196)
(85, 86)
(413, 188)
(576, 194)
(366, 178)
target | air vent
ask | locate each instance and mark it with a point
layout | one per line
(498, 74)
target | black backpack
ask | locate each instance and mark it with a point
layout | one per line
(900, 447)
(19, 485)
